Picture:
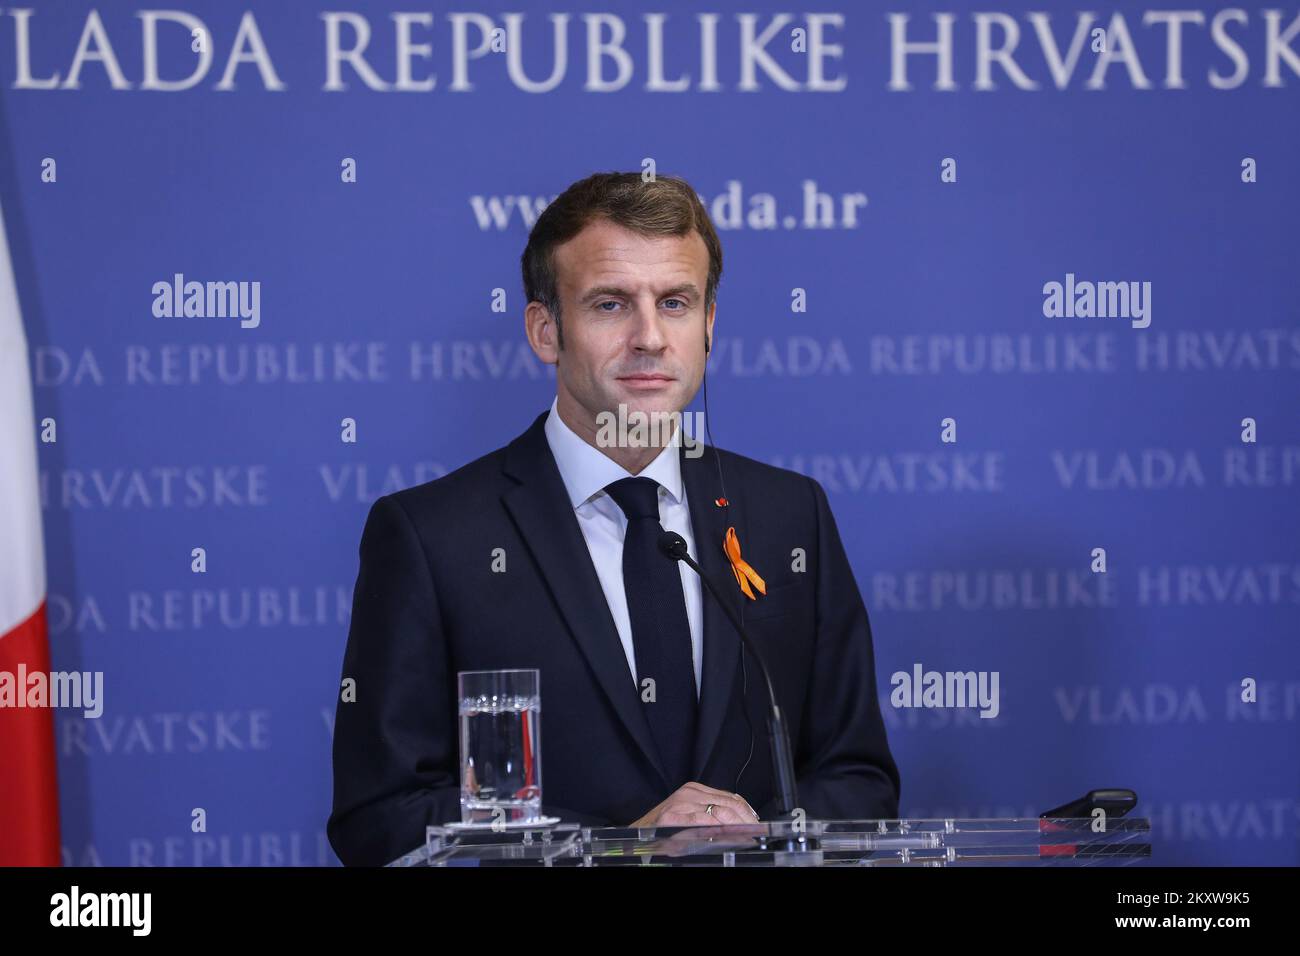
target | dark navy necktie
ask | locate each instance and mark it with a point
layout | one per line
(661, 632)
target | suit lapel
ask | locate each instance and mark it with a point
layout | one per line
(721, 642)
(540, 507)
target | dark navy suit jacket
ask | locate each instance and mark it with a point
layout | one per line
(427, 604)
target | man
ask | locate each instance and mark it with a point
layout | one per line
(651, 716)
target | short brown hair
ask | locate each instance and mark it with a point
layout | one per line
(663, 206)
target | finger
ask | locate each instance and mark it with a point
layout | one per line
(686, 817)
(700, 818)
(730, 813)
(741, 806)
(724, 810)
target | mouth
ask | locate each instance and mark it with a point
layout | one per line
(646, 380)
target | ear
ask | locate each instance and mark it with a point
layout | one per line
(708, 326)
(541, 332)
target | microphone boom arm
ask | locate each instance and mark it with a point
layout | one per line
(673, 545)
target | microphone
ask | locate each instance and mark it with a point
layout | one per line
(673, 545)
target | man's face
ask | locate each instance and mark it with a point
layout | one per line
(634, 323)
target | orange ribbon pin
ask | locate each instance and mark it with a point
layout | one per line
(743, 572)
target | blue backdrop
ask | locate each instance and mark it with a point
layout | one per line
(920, 198)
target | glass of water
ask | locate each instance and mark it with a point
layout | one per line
(500, 746)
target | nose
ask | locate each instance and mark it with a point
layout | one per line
(647, 330)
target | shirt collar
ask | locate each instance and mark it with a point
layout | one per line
(586, 470)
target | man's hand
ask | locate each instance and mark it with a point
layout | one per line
(688, 806)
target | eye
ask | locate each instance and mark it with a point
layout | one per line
(600, 306)
(681, 302)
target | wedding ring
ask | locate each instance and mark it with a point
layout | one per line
(709, 809)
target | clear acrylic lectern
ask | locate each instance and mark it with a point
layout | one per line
(1031, 841)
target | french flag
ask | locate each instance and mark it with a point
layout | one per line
(29, 791)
